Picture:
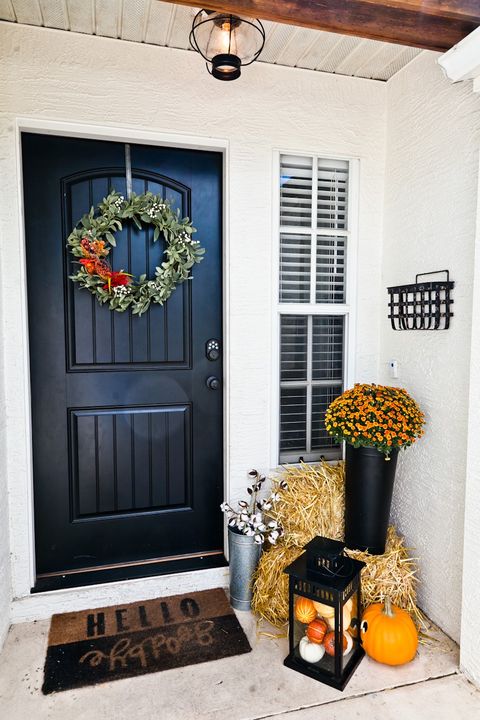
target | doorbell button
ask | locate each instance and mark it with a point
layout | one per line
(212, 349)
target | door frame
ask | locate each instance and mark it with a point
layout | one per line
(22, 525)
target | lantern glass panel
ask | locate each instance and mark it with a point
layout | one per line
(313, 636)
(220, 36)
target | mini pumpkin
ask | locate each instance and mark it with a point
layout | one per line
(316, 630)
(349, 640)
(311, 652)
(329, 643)
(347, 618)
(325, 611)
(305, 610)
(388, 634)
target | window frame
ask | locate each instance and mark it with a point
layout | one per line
(346, 309)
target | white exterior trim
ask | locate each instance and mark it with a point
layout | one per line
(26, 605)
(347, 310)
(469, 654)
(462, 61)
(120, 134)
(39, 606)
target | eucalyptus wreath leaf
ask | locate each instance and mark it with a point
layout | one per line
(92, 238)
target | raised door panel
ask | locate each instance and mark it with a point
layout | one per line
(100, 339)
(130, 460)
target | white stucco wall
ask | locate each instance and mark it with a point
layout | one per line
(51, 75)
(469, 650)
(433, 138)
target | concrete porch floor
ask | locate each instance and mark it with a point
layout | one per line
(246, 687)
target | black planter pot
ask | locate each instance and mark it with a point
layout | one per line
(368, 496)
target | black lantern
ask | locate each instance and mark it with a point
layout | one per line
(324, 612)
(226, 42)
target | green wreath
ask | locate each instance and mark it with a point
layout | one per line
(92, 238)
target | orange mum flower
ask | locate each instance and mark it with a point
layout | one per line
(379, 416)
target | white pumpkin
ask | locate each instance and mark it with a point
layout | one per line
(310, 652)
(349, 604)
(325, 611)
(349, 643)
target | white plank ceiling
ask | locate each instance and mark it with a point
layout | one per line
(160, 23)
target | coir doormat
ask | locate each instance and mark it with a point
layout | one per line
(95, 646)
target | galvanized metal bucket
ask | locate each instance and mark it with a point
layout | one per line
(244, 554)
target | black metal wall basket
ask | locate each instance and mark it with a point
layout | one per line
(422, 305)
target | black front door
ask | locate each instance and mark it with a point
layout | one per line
(127, 436)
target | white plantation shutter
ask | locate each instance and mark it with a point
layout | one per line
(296, 189)
(327, 348)
(313, 229)
(330, 269)
(295, 267)
(332, 194)
(293, 421)
(322, 442)
(313, 242)
(293, 348)
(311, 376)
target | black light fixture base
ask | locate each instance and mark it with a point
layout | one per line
(226, 67)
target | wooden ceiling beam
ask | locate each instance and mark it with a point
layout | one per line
(455, 9)
(427, 24)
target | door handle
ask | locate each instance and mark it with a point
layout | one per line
(212, 382)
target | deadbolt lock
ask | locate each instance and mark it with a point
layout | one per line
(213, 382)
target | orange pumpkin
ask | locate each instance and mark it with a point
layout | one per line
(305, 610)
(388, 634)
(329, 643)
(316, 630)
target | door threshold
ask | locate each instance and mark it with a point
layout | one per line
(128, 571)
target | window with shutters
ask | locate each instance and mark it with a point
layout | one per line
(313, 301)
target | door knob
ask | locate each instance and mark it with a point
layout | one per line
(212, 382)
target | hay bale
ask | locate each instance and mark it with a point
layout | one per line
(270, 589)
(394, 574)
(313, 504)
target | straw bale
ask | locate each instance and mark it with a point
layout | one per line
(313, 504)
(270, 589)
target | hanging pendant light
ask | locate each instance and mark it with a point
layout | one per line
(226, 42)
